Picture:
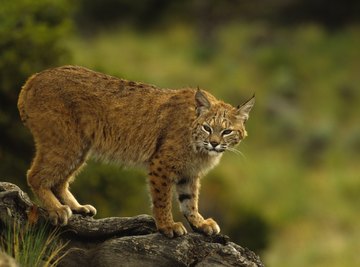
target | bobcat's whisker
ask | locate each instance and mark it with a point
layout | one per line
(236, 151)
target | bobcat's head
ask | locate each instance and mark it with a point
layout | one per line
(219, 126)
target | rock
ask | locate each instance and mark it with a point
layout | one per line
(129, 241)
(7, 261)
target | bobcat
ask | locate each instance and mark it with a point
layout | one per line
(74, 113)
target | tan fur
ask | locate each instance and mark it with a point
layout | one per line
(74, 113)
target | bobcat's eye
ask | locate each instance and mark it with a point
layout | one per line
(206, 128)
(227, 132)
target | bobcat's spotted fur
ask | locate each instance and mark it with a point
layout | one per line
(74, 113)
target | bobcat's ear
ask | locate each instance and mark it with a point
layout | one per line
(202, 103)
(244, 109)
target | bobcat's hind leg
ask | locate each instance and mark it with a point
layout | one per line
(49, 178)
(62, 191)
(66, 197)
(41, 177)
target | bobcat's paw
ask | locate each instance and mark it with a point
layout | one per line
(86, 210)
(208, 227)
(60, 216)
(173, 230)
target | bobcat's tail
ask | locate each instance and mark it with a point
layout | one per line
(22, 98)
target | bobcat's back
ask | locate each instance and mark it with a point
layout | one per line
(115, 119)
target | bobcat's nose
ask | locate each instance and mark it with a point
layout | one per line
(214, 144)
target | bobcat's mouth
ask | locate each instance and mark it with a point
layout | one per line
(214, 150)
(206, 147)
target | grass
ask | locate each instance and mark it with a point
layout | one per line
(300, 172)
(32, 245)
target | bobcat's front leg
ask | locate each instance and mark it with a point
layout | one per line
(160, 189)
(188, 196)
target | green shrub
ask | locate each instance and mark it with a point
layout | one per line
(32, 245)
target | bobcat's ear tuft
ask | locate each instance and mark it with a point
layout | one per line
(202, 103)
(244, 109)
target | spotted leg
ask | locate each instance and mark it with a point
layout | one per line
(188, 196)
(160, 189)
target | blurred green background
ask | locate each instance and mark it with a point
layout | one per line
(294, 195)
